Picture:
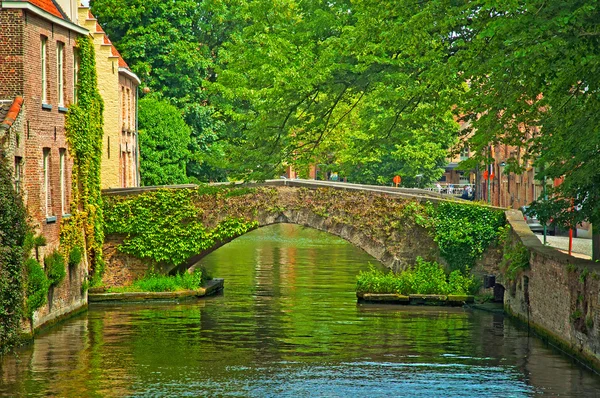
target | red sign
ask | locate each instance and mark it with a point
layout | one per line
(485, 175)
(397, 180)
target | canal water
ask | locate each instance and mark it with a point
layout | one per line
(288, 325)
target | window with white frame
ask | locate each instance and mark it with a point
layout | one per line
(46, 165)
(60, 78)
(63, 186)
(464, 153)
(75, 73)
(43, 54)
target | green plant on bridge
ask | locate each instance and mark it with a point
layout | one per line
(423, 278)
(165, 225)
(463, 231)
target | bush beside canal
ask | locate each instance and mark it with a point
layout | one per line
(423, 278)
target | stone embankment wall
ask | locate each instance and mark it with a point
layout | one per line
(558, 296)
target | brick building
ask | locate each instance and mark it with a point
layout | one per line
(118, 88)
(38, 65)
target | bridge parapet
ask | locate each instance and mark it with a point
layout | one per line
(408, 193)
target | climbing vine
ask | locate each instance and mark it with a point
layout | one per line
(84, 129)
(166, 226)
(463, 231)
(13, 230)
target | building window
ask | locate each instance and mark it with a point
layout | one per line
(75, 73)
(128, 109)
(18, 173)
(60, 55)
(123, 108)
(63, 186)
(44, 65)
(47, 181)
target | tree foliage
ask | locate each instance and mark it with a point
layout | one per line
(373, 87)
(310, 80)
(173, 47)
(534, 72)
(164, 140)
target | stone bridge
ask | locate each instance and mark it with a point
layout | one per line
(557, 295)
(385, 222)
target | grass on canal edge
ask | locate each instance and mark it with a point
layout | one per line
(165, 283)
(422, 278)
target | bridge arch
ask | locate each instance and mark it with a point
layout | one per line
(357, 237)
(381, 223)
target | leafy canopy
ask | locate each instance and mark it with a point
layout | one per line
(164, 139)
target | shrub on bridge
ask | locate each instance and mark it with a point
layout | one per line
(165, 225)
(423, 278)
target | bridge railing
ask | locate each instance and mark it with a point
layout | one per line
(407, 193)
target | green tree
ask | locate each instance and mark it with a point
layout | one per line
(534, 73)
(173, 47)
(164, 141)
(309, 79)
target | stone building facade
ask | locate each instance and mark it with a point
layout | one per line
(38, 66)
(118, 88)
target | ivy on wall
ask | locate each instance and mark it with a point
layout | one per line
(84, 130)
(166, 225)
(13, 230)
(515, 256)
(464, 230)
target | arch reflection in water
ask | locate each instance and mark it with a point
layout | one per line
(288, 324)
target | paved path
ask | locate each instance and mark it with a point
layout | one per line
(581, 247)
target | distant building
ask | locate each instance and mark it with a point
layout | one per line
(118, 88)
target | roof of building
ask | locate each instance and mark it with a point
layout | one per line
(50, 6)
(9, 111)
(48, 9)
(122, 63)
(123, 67)
(113, 49)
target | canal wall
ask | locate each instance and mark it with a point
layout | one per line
(63, 300)
(558, 296)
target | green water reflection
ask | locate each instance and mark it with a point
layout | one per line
(288, 325)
